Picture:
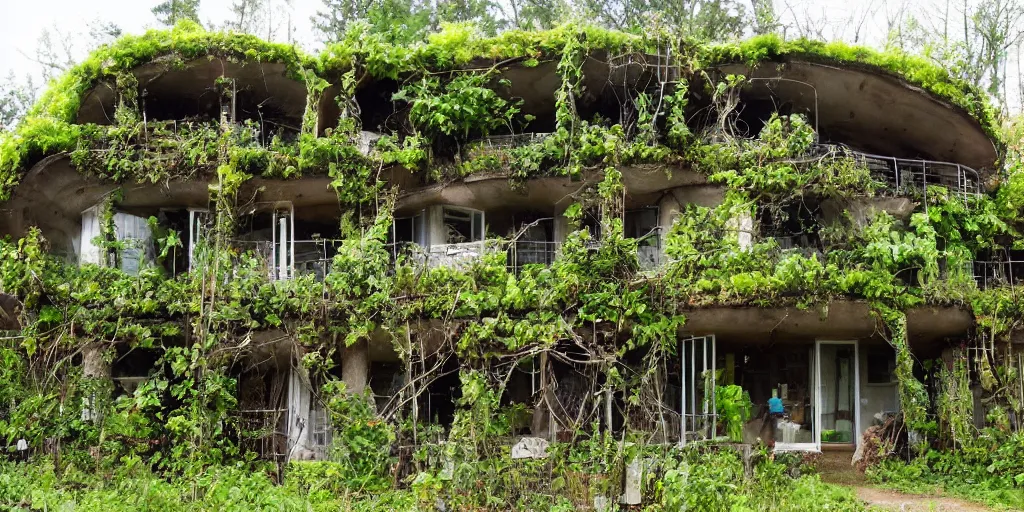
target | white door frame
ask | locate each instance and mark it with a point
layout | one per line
(856, 388)
(815, 444)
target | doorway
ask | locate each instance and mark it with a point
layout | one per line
(838, 393)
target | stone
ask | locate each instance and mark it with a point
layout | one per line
(632, 494)
(530, 448)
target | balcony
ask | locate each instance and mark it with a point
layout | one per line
(494, 145)
(996, 274)
(304, 257)
(904, 176)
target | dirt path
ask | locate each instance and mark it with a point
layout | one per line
(882, 499)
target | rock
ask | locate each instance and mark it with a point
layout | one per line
(530, 448)
(634, 478)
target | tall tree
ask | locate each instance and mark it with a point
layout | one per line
(263, 18)
(998, 27)
(400, 20)
(16, 97)
(710, 20)
(534, 14)
(170, 12)
(478, 12)
(766, 20)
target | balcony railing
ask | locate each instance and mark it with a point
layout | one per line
(497, 143)
(261, 431)
(531, 252)
(995, 274)
(315, 257)
(905, 176)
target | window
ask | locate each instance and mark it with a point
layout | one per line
(881, 366)
(135, 248)
(408, 230)
(199, 222)
(282, 231)
(463, 225)
(88, 251)
(643, 226)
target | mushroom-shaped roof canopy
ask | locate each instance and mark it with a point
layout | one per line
(886, 103)
(883, 102)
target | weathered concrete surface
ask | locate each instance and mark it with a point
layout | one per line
(355, 367)
(842, 319)
(9, 307)
(873, 111)
(170, 86)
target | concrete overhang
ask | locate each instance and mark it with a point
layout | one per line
(537, 86)
(53, 195)
(871, 110)
(840, 320)
(644, 184)
(166, 84)
(9, 307)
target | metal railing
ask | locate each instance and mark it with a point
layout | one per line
(315, 257)
(910, 176)
(531, 252)
(308, 257)
(994, 274)
(496, 143)
(260, 432)
(243, 133)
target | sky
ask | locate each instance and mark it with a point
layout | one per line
(22, 22)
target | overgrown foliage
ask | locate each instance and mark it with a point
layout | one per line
(594, 308)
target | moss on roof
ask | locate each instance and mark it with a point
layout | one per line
(48, 128)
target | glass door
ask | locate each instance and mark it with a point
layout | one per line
(838, 392)
(797, 387)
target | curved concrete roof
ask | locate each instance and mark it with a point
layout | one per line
(872, 110)
(53, 195)
(169, 84)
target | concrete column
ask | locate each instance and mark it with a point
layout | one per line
(560, 229)
(96, 381)
(94, 366)
(355, 367)
(668, 211)
(437, 232)
(743, 224)
(541, 425)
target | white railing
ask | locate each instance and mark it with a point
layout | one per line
(905, 175)
(994, 274)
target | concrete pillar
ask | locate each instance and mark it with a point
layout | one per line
(541, 425)
(96, 381)
(743, 225)
(94, 366)
(668, 211)
(355, 367)
(437, 232)
(560, 229)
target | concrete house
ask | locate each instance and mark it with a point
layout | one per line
(832, 364)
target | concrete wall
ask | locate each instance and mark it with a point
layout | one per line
(874, 398)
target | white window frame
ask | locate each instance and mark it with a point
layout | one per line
(419, 228)
(282, 264)
(477, 226)
(707, 410)
(198, 220)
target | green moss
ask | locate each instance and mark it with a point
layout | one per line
(914, 69)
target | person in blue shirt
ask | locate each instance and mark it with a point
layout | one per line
(776, 411)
